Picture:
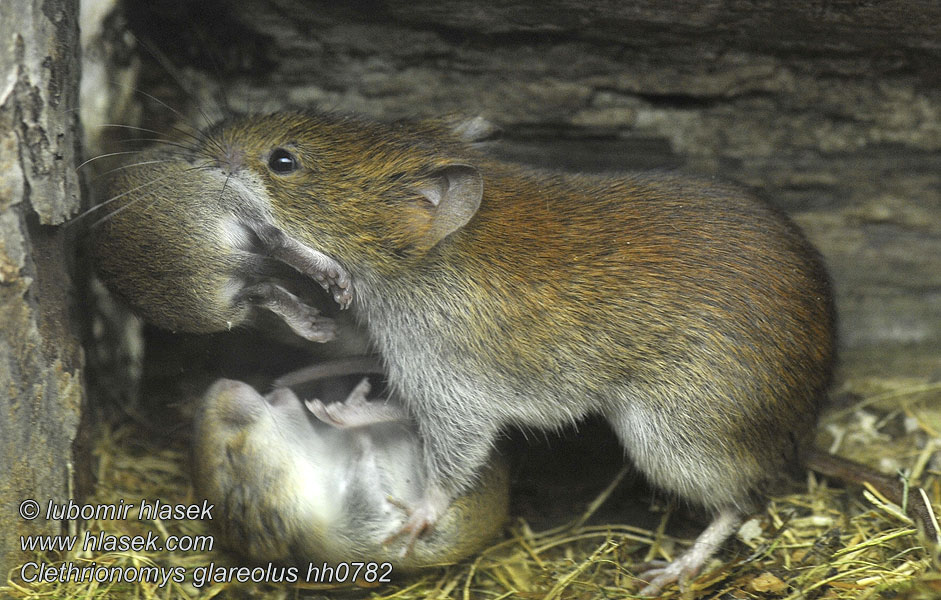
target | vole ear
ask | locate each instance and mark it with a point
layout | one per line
(453, 194)
(475, 129)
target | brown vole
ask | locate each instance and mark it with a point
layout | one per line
(695, 318)
(290, 488)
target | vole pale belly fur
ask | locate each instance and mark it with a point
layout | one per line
(696, 319)
(293, 489)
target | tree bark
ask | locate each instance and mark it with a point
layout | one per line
(40, 354)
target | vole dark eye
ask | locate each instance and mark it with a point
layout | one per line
(283, 162)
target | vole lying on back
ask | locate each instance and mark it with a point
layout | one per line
(293, 489)
(697, 320)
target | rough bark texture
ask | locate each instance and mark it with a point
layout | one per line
(40, 356)
(832, 111)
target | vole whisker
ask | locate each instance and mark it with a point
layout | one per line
(197, 138)
(109, 201)
(121, 209)
(162, 142)
(213, 142)
(126, 206)
(215, 62)
(191, 132)
(224, 184)
(143, 163)
(137, 90)
(109, 154)
(175, 75)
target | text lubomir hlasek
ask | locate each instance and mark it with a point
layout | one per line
(147, 510)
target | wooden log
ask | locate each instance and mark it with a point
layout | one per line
(40, 354)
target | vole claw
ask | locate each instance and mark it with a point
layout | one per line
(688, 564)
(320, 267)
(343, 297)
(421, 518)
(419, 522)
(660, 573)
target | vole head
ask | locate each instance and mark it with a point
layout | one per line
(370, 195)
(205, 230)
(232, 414)
(266, 466)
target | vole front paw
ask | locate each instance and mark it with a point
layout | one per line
(322, 268)
(312, 326)
(303, 319)
(336, 280)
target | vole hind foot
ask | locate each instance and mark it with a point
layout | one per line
(661, 573)
(304, 320)
(421, 518)
(356, 410)
(688, 564)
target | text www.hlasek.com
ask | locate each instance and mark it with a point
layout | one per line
(104, 542)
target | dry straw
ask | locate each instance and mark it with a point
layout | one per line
(821, 542)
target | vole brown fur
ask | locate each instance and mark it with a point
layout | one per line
(696, 319)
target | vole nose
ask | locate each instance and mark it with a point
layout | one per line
(231, 159)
